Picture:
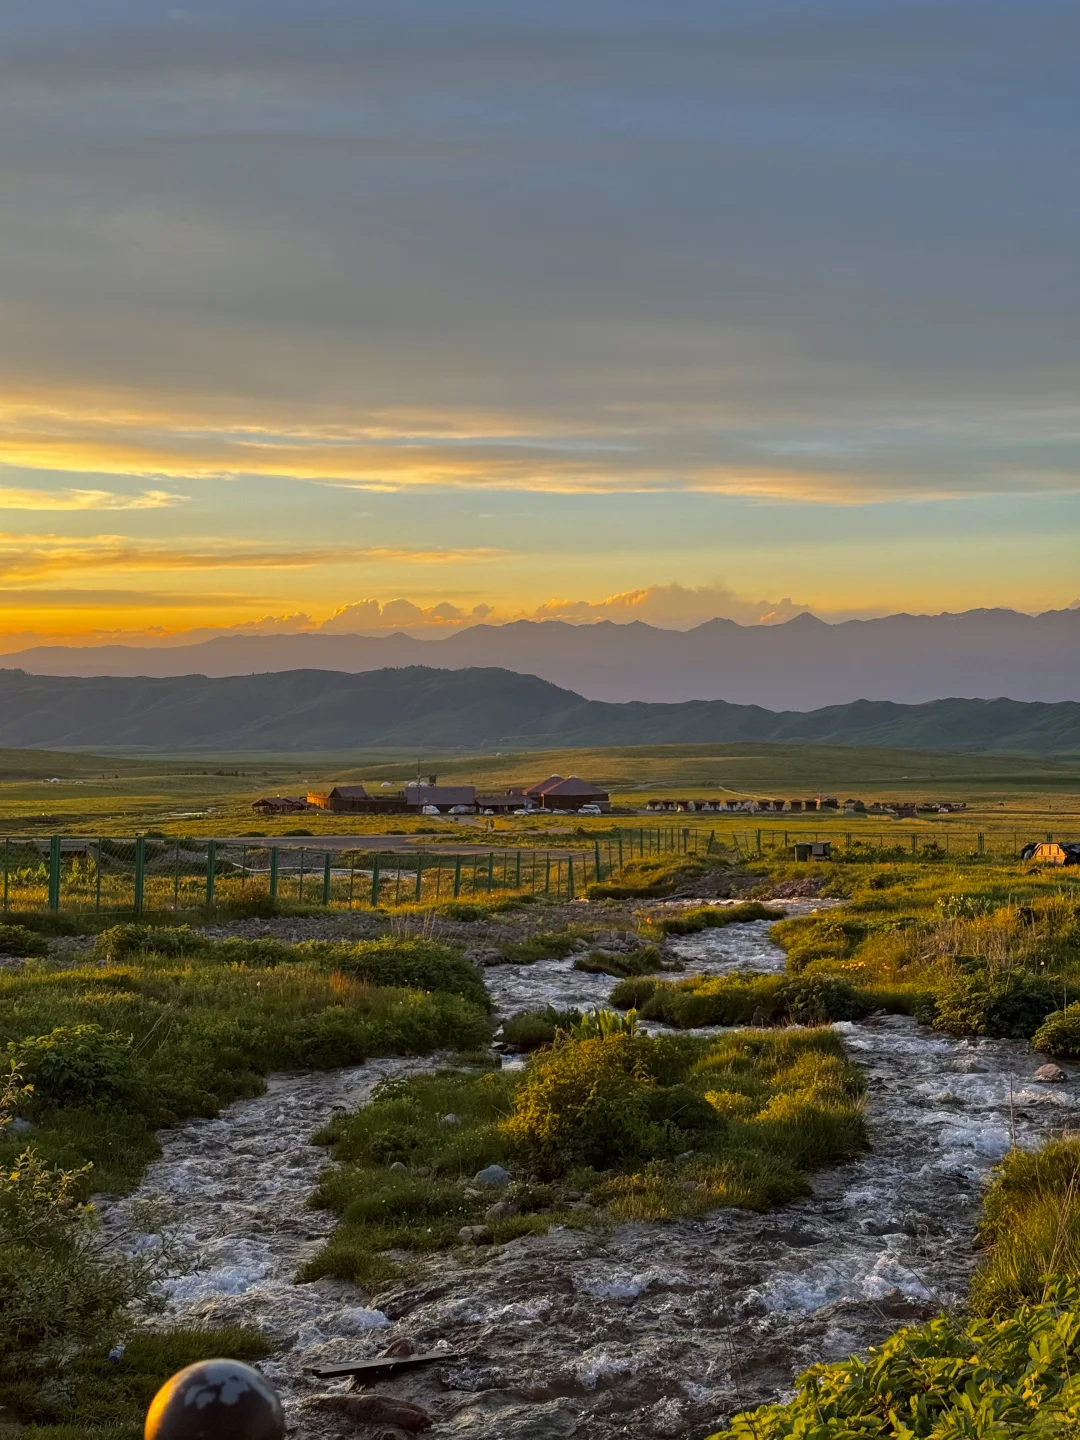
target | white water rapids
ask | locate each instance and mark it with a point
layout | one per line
(643, 1330)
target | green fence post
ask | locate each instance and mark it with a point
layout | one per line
(597, 849)
(759, 842)
(140, 872)
(175, 877)
(243, 868)
(491, 871)
(352, 879)
(97, 885)
(303, 862)
(419, 877)
(620, 850)
(375, 881)
(326, 876)
(570, 878)
(457, 876)
(54, 873)
(273, 872)
(982, 842)
(6, 877)
(712, 837)
(211, 871)
(914, 843)
(517, 872)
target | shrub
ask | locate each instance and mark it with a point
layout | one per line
(582, 1103)
(599, 1024)
(716, 916)
(414, 964)
(951, 1377)
(818, 999)
(643, 961)
(18, 940)
(121, 941)
(1059, 1034)
(631, 994)
(80, 1066)
(549, 945)
(1009, 1007)
(533, 1028)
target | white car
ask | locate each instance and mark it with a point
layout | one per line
(590, 810)
(430, 810)
(460, 810)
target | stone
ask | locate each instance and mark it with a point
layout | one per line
(399, 1348)
(501, 1210)
(684, 1157)
(475, 1235)
(377, 1410)
(492, 1175)
(20, 1126)
(450, 1119)
(1050, 1074)
(399, 1168)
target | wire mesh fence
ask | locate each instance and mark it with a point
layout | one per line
(149, 873)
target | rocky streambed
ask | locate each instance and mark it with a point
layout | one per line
(640, 1330)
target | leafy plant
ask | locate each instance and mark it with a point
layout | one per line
(1012, 1007)
(1059, 1034)
(80, 1066)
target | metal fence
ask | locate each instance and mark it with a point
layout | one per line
(149, 873)
(146, 873)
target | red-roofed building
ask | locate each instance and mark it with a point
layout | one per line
(555, 793)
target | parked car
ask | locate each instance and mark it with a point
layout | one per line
(590, 810)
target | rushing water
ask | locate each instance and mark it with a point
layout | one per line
(642, 1330)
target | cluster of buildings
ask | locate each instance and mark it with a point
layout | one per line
(555, 795)
(895, 809)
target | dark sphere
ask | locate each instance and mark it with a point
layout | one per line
(216, 1400)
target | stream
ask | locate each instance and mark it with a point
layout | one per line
(641, 1330)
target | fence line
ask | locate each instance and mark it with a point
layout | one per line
(151, 873)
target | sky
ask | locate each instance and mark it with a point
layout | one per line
(329, 314)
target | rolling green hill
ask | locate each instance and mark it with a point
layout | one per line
(476, 709)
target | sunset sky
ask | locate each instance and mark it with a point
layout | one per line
(627, 310)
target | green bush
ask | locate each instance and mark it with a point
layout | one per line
(415, 965)
(120, 942)
(18, 940)
(1007, 1007)
(548, 945)
(1059, 1034)
(716, 916)
(950, 1379)
(818, 999)
(631, 994)
(533, 1028)
(80, 1066)
(644, 961)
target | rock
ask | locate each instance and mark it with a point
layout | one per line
(399, 1168)
(492, 1175)
(450, 1119)
(760, 1016)
(377, 1410)
(399, 1348)
(968, 1065)
(684, 1157)
(20, 1126)
(1050, 1074)
(501, 1210)
(475, 1235)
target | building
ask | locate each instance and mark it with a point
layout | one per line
(344, 799)
(443, 797)
(279, 804)
(555, 793)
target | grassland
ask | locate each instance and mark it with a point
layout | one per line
(212, 795)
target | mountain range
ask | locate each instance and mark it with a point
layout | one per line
(800, 665)
(476, 709)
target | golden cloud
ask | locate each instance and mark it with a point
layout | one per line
(392, 451)
(29, 557)
(12, 498)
